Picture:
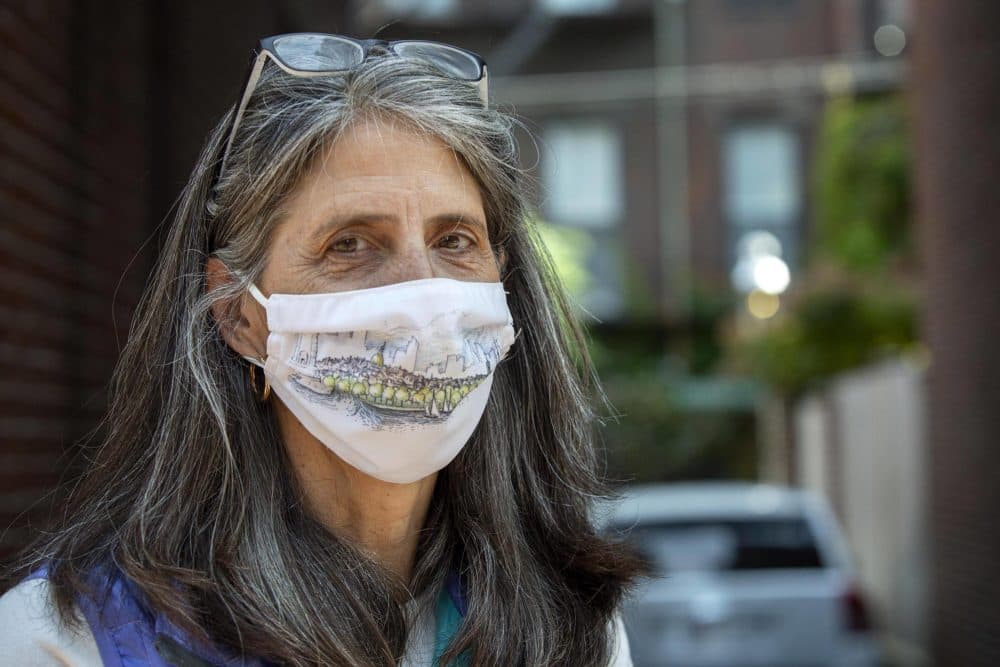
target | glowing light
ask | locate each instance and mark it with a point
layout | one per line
(751, 249)
(890, 40)
(763, 305)
(771, 275)
(760, 244)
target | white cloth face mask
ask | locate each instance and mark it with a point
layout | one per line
(393, 379)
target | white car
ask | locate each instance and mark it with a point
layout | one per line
(744, 575)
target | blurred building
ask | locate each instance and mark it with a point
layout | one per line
(862, 442)
(74, 196)
(104, 105)
(666, 132)
(956, 98)
(672, 144)
(676, 136)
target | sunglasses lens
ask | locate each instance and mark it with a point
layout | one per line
(318, 53)
(451, 61)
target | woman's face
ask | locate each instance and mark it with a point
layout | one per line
(383, 205)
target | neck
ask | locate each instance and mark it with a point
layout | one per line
(383, 518)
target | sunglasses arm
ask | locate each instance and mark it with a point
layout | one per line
(483, 86)
(252, 78)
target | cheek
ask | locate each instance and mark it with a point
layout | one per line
(288, 270)
(492, 268)
(485, 268)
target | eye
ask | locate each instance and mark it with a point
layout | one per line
(349, 245)
(454, 242)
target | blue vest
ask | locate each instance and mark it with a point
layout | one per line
(129, 634)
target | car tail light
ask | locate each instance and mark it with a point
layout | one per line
(855, 610)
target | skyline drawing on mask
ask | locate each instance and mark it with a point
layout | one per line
(398, 374)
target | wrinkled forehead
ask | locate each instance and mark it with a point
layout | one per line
(382, 158)
(384, 170)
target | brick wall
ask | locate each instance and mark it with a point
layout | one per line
(104, 105)
(957, 103)
(727, 31)
(73, 201)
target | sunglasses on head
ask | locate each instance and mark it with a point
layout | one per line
(309, 54)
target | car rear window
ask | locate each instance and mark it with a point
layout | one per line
(726, 544)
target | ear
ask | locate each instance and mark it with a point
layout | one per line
(242, 322)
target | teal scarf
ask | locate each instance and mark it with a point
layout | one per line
(447, 619)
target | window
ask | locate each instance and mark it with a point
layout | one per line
(582, 175)
(751, 9)
(421, 8)
(762, 197)
(761, 176)
(577, 6)
(895, 12)
(725, 544)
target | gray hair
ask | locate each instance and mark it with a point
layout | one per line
(191, 495)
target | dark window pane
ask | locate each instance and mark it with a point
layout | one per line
(726, 544)
(751, 9)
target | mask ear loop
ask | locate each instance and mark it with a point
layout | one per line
(257, 295)
(258, 361)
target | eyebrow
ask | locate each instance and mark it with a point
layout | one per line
(339, 221)
(458, 218)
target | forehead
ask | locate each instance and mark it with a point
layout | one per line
(373, 159)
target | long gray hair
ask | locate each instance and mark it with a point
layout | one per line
(190, 493)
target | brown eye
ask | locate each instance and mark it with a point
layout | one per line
(454, 242)
(348, 245)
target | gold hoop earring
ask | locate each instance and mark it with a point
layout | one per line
(261, 396)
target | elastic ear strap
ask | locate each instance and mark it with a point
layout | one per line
(256, 294)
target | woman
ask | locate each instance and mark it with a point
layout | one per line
(326, 443)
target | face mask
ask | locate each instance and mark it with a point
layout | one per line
(392, 379)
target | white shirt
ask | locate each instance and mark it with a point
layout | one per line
(32, 636)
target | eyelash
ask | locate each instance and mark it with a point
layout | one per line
(469, 240)
(333, 246)
(461, 237)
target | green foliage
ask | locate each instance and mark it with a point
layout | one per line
(829, 329)
(651, 435)
(703, 347)
(654, 440)
(568, 247)
(854, 304)
(861, 183)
